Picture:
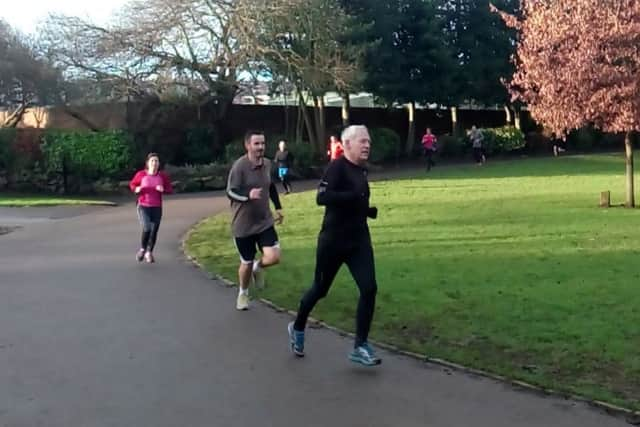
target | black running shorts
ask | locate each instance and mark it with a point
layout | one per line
(248, 246)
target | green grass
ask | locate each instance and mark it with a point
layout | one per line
(510, 268)
(24, 200)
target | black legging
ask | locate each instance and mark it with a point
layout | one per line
(332, 252)
(428, 155)
(478, 152)
(284, 178)
(286, 184)
(150, 220)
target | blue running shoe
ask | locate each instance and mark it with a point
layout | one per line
(364, 355)
(296, 340)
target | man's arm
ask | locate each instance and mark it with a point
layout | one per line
(327, 193)
(275, 198)
(235, 188)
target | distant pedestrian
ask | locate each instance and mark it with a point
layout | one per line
(150, 184)
(335, 148)
(559, 146)
(284, 161)
(477, 139)
(429, 147)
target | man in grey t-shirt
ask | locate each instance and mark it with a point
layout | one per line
(476, 137)
(249, 187)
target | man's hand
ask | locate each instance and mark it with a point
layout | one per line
(137, 189)
(160, 188)
(279, 217)
(255, 193)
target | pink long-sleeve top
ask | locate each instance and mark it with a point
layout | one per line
(149, 196)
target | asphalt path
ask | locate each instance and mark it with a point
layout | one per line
(90, 337)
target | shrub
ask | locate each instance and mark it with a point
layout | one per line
(19, 155)
(200, 146)
(385, 145)
(87, 155)
(209, 176)
(451, 146)
(613, 141)
(583, 139)
(169, 143)
(304, 159)
(536, 142)
(502, 140)
(233, 150)
(7, 152)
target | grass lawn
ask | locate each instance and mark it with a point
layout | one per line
(23, 200)
(510, 267)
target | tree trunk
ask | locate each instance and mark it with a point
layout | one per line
(307, 121)
(319, 122)
(411, 133)
(286, 120)
(14, 118)
(517, 115)
(346, 107)
(455, 129)
(630, 203)
(508, 116)
(299, 125)
(39, 115)
(223, 104)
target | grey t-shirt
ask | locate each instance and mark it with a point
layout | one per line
(476, 138)
(249, 217)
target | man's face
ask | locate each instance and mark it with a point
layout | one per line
(255, 146)
(282, 145)
(357, 148)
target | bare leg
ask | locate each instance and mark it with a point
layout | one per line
(244, 275)
(270, 256)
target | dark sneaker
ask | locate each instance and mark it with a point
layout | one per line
(364, 355)
(296, 340)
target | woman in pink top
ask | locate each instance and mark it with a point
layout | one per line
(149, 184)
(428, 147)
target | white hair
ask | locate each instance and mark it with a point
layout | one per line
(350, 132)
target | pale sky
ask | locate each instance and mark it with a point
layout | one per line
(25, 15)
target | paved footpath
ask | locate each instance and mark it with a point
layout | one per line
(90, 338)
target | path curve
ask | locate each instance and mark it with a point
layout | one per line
(89, 337)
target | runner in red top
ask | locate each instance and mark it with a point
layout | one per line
(150, 184)
(335, 148)
(429, 147)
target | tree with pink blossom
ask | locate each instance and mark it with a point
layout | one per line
(578, 64)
